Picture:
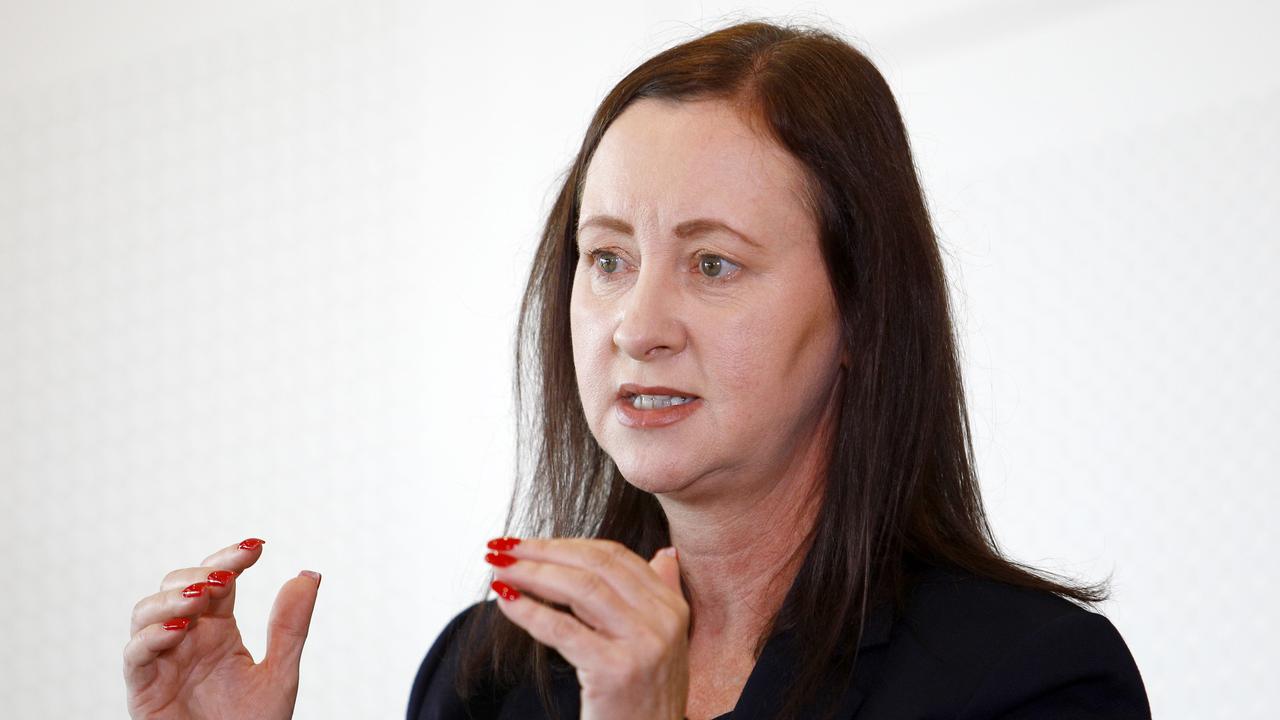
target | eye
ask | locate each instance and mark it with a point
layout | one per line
(606, 261)
(714, 266)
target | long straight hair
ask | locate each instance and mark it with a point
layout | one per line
(900, 483)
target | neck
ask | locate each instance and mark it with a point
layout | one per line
(741, 540)
(740, 551)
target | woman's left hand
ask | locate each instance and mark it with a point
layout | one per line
(628, 633)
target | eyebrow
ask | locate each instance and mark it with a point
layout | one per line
(685, 230)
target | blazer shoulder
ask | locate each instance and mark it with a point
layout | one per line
(1008, 651)
(1075, 666)
(954, 605)
(434, 696)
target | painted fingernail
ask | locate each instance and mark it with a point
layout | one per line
(503, 543)
(499, 559)
(252, 544)
(194, 590)
(505, 591)
(220, 577)
(176, 624)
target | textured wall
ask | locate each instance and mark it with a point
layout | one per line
(259, 265)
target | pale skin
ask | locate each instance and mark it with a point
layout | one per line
(756, 337)
(750, 328)
(203, 670)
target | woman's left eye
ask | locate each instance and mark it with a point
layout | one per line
(714, 266)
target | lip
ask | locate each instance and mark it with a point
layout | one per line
(626, 390)
(655, 418)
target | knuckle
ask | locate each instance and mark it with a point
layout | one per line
(681, 617)
(607, 554)
(684, 612)
(562, 626)
(590, 585)
(629, 672)
(170, 579)
(135, 648)
(139, 608)
(611, 545)
(616, 550)
(652, 645)
(597, 558)
(677, 634)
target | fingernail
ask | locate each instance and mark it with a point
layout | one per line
(194, 590)
(220, 577)
(503, 543)
(499, 559)
(505, 591)
(252, 544)
(311, 574)
(176, 624)
(669, 551)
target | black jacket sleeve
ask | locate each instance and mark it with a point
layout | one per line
(1075, 666)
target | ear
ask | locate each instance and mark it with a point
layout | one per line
(666, 563)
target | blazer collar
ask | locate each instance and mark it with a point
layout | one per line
(775, 670)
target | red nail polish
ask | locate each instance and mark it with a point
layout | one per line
(499, 559)
(176, 624)
(505, 591)
(252, 544)
(503, 543)
(220, 577)
(194, 590)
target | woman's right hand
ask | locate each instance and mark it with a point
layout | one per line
(202, 669)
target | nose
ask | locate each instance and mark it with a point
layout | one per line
(649, 327)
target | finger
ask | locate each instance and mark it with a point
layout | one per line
(147, 644)
(576, 642)
(291, 620)
(183, 577)
(666, 564)
(592, 599)
(236, 557)
(190, 601)
(233, 558)
(627, 572)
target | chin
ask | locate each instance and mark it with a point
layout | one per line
(656, 477)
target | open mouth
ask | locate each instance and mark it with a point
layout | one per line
(653, 397)
(645, 410)
(641, 401)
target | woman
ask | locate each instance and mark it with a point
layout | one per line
(753, 493)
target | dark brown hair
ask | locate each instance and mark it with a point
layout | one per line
(900, 484)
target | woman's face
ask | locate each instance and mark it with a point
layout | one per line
(741, 317)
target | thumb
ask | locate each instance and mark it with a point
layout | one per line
(666, 563)
(291, 618)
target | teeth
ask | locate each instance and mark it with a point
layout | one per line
(650, 402)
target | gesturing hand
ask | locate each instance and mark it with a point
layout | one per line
(628, 633)
(186, 660)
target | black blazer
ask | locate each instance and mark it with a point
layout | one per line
(962, 648)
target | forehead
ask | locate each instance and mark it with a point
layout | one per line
(663, 162)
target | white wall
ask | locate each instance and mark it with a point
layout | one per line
(259, 266)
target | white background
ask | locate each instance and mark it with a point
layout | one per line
(260, 261)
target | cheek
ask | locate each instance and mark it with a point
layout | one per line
(776, 359)
(590, 336)
(738, 353)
